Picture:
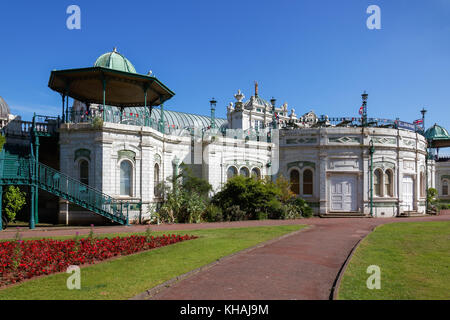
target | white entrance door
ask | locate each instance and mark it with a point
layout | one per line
(408, 193)
(343, 194)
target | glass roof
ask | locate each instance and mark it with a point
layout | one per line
(173, 119)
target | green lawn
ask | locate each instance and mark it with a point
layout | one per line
(128, 276)
(414, 259)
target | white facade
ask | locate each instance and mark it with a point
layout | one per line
(329, 166)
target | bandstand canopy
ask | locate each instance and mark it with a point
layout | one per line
(113, 80)
(438, 137)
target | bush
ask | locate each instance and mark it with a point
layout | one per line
(250, 195)
(275, 209)
(234, 213)
(302, 207)
(182, 206)
(14, 201)
(213, 214)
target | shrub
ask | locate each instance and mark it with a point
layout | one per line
(302, 207)
(275, 209)
(182, 206)
(292, 212)
(14, 201)
(213, 213)
(250, 195)
(234, 213)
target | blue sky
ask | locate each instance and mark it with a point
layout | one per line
(313, 54)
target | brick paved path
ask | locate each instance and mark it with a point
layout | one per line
(301, 266)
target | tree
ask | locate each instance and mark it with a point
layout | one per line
(14, 201)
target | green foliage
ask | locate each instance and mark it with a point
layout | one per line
(285, 188)
(431, 195)
(2, 141)
(234, 213)
(303, 208)
(431, 199)
(13, 202)
(213, 213)
(250, 199)
(182, 205)
(97, 123)
(250, 195)
(191, 183)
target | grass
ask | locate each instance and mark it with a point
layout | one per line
(414, 259)
(128, 276)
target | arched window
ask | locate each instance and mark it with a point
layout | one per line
(295, 182)
(445, 188)
(231, 172)
(388, 179)
(84, 172)
(377, 183)
(256, 173)
(126, 170)
(156, 190)
(244, 172)
(307, 182)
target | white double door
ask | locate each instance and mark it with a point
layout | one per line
(408, 193)
(343, 194)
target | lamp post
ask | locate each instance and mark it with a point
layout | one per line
(274, 122)
(371, 151)
(364, 115)
(213, 104)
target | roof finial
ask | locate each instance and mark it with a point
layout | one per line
(115, 49)
(256, 88)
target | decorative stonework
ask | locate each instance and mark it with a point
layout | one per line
(408, 164)
(409, 142)
(445, 177)
(384, 165)
(301, 141)
(301, 164)
(344, 140)
(127, 154)
(384, 140)
(344, 164)
(82, 153)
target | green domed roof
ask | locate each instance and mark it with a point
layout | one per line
(116, 61)
(437, 133)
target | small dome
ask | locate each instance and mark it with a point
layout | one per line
(114, 60)
(437, 133)
(4, 109)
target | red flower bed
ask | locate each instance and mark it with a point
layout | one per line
(21, 260)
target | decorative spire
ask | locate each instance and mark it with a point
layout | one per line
(256, 88)
(115, 49)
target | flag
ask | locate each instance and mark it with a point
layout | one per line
(419, 121)
(361, 110)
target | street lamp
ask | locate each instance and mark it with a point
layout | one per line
(274, 123)
(371, 151)
(364, 115)
(213, 104)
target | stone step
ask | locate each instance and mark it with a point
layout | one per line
(345, 215)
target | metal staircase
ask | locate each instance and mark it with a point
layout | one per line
(18, 166)
(17, 170)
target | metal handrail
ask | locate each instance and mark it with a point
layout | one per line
(51, 179)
